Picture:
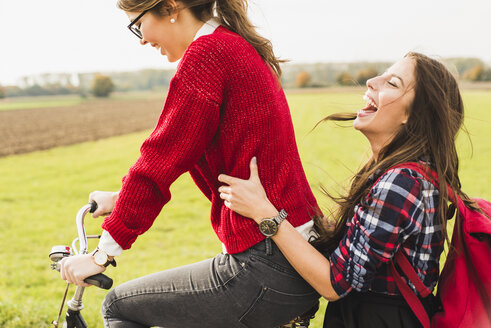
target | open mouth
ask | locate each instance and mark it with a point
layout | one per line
(371, 105)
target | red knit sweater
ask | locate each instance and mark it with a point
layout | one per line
(224, 106)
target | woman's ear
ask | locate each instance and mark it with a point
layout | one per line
(171, 7)
(406, 115)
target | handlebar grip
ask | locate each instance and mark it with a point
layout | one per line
(93, 206)
(100, 280)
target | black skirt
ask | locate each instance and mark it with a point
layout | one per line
(373, 310)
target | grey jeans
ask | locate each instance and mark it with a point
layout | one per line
(256, 288)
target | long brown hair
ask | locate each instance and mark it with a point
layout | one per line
(231, 13)
(434, 119)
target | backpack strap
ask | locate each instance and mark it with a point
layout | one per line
(408, 270)
(403, 263)
(408, 294)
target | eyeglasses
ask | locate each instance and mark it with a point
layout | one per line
(136, 29)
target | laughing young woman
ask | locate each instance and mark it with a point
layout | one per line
(224, 105)
(413, 114)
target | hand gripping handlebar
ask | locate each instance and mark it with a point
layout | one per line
(100, 280)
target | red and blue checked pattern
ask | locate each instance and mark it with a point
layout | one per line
(399, 211)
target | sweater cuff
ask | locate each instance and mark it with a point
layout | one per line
(123, 236)
(109, 245)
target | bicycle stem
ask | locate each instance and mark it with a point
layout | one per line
(73, 317)
(75, 304)
(82, 237)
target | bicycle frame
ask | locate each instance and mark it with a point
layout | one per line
(73, 317)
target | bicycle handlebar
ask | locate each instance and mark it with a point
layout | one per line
(73, 317)
(93, 206)
(100, 280)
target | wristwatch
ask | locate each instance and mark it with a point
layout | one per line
(101, 258)
(269, 227)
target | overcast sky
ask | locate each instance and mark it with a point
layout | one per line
(91, 35)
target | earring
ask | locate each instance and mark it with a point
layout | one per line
(172, 20)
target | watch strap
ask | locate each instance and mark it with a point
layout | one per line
(108, 262)
(280, 217)
(111, 262)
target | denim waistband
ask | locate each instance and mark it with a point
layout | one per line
(266, 246)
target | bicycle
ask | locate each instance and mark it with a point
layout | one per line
(302, 321)
(73, 317)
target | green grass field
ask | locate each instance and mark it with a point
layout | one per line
(41, 192)
(18, 103)
(39, 102)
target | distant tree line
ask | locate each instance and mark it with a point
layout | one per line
(352, 74)
(294, 76)
(470, 69)
(85, 84)
(328, 74)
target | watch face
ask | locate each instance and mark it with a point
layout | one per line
(100, 258)
(268, 227)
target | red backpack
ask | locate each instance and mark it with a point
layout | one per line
(464, 287)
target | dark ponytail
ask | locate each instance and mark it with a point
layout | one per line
(233, 15)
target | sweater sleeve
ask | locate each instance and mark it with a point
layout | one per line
(188, 122)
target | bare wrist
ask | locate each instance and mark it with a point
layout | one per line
(115, 196)
(267, 211)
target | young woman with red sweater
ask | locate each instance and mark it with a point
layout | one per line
(224, 105)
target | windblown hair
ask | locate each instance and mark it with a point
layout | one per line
(434, 119)
(231, 13)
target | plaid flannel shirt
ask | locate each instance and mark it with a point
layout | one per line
(399, 211)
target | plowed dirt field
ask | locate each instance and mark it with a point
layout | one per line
(28, 130)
